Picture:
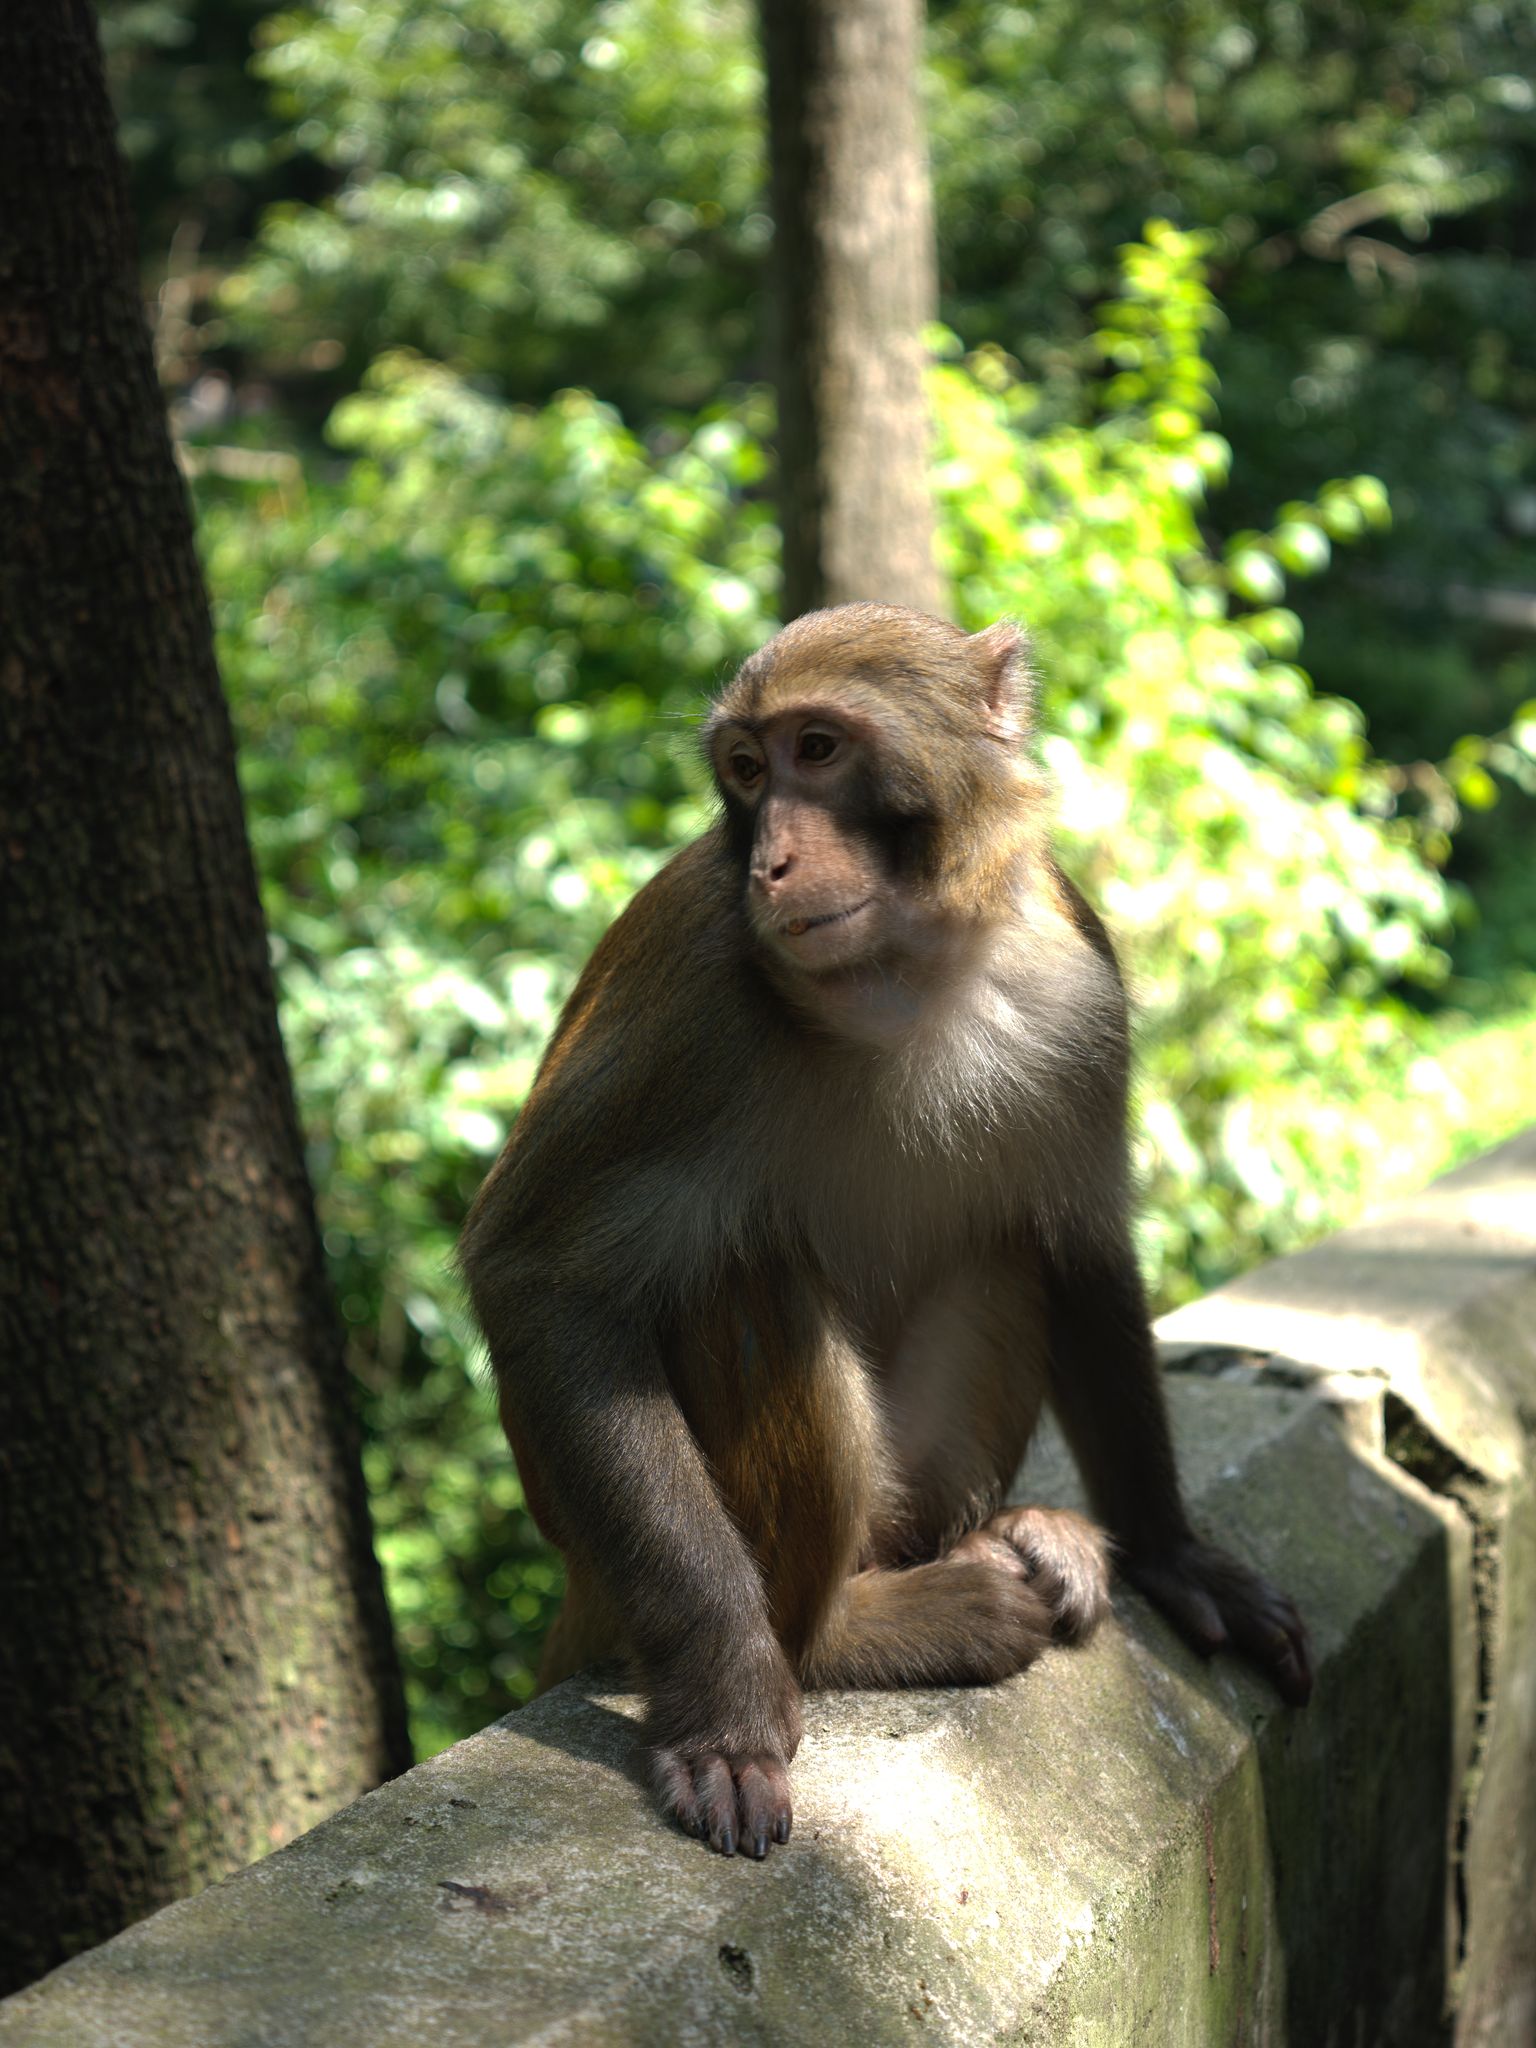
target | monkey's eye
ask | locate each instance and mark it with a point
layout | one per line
(817, 746)
(746, 767)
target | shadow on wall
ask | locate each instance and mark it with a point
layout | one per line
(1358, 1799)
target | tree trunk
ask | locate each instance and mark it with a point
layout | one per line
(195, 1660)
(854, 284)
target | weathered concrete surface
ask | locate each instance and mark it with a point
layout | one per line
(1439, 1296)
(1122, 1846)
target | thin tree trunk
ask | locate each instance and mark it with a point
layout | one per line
(854, 284)
(195, 1660)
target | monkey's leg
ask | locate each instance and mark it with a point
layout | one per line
(782, 1404)
(587, 1629)
(783, 1407)
(964, 1385)
(1106, 1390)
(967, 1619)
(966, 1382)
(587, 1626)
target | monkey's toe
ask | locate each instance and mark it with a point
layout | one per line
(1065, 1558)
(762, 1801)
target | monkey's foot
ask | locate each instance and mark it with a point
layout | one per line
(1063, 1555)
(970, 1617)
(1217, 1603)
(731, 1802)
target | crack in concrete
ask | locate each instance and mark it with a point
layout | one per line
(1416, 1450)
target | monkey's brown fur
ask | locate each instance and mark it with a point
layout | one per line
(820, 1194)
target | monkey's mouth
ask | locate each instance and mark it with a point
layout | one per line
(799, 926)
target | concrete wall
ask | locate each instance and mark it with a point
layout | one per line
(1123, 1846)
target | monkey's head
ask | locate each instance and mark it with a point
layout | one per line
(877, 794)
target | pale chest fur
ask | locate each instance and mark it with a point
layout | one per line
(993, 1110)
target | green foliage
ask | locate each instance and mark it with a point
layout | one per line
(544, 190)
(1365, 174)
(194, 126)
(556, 193)
(464, 668)
(1233, 825)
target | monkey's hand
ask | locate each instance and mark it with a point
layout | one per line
(722, 1743)
(1216, 1603)
(732, 1800)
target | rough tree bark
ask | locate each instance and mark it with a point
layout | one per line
(195, 1660)
(854, 284)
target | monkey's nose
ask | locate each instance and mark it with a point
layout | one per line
(768, 874)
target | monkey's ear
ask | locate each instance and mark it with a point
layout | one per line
(1002, 658)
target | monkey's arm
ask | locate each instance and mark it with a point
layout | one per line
(1107, 1393)
(587, 1405)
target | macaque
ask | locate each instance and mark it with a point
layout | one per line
(820, 1195)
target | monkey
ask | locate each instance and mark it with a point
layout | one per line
(821, 1194)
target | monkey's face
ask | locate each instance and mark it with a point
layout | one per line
(823, 864)
(876, 791)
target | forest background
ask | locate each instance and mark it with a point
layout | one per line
(461, 311)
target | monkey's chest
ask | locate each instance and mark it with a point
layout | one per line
(881, 1220)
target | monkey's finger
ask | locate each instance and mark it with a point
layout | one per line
(715, 1791)
(762, 1801)
(1293, 1674)
(672, 1775)
(1297, 1668)
(1274, 1636)
(1187, 1605)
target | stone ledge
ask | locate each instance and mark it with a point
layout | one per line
(1122, 1846)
